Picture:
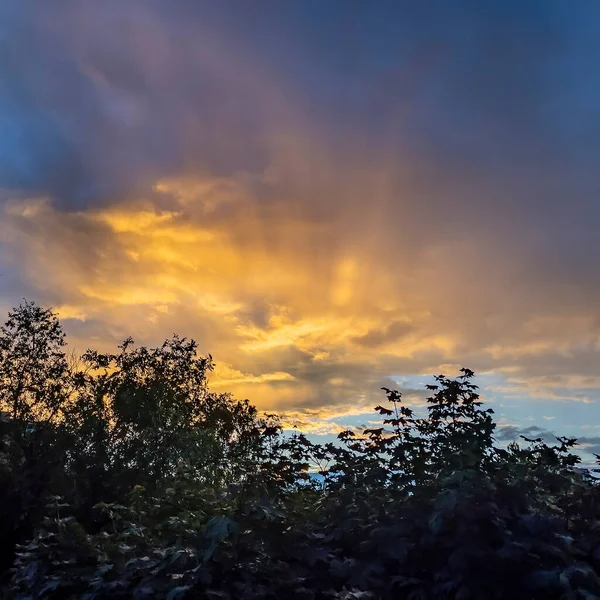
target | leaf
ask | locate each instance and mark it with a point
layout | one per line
(217, 529)
(51, 586)
(141, 593)
(178, 592)
(535, 524)
(544, 579)
(436, 522)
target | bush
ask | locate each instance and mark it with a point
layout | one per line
(125, 477)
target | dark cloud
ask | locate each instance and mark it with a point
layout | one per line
(586, 446)
(98, 98)
(432, 164)
(512, 433)
(97, 101)
(378, 337)
(591, 445)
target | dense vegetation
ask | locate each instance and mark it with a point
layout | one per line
(123, 476)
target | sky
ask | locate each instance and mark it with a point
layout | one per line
(329, 196)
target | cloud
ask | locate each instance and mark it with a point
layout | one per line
(376, 338)
(512, 433)
(398, 191)
(326, 420)
(227, 376)
(590, 445)
(586, 447)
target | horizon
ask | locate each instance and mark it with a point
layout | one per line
(329, 197)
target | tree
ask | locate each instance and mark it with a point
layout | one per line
(35, 390)
(126, 477)
(147, 414)
(34, 371)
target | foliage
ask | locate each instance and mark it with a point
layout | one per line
(125, 477)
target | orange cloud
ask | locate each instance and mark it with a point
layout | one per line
(314, 260)
(294, 314)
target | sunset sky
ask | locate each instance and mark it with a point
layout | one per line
(330, 196)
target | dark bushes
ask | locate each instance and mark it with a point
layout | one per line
(125, 477)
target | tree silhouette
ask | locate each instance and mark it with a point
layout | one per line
(123, 476)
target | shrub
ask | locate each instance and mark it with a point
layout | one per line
(125, 477)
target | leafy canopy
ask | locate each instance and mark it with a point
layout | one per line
(123, 476)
